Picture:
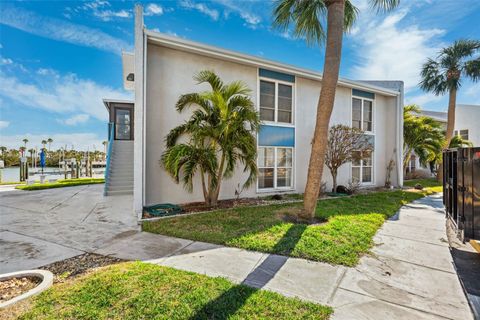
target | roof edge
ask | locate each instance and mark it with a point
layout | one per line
(192, 46)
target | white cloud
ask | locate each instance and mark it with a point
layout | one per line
(79, 141)
(387, 48)
(74, 120)
(51, 91)
(153, 9)
(6, 61)
(251, 19)
(423, 99)
(201, 7)
(61, 30)
(4, 124)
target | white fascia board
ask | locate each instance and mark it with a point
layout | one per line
(195, 47)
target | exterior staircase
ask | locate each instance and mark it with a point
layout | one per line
(119, 178)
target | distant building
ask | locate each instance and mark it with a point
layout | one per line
(467, 125)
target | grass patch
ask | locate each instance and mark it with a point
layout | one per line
(6, 183)
(137, 290)
(347, 234)
(429, 184)
(61, 183)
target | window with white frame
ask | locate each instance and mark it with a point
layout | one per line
(275, 167)
(464, 134)
(276, 101)
(362, 167)
(362, 114)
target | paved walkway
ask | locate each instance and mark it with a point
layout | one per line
(410, 274)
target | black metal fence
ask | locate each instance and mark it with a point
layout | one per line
(461, 189)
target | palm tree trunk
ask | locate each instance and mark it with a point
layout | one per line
(333, 53)
(452, 102)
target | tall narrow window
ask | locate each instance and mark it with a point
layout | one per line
(266, 167)
(284, 103)
(357, 113)
(276, 101)
(275, 168)
(267, 101)
(362, 114)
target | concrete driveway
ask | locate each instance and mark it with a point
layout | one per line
(41, 227)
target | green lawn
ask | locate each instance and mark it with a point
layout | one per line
(61, 183)
(346, 235)
(137, 290)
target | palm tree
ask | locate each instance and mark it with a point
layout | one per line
(220, 133)
(44, 143)
(105, 148)
(422, 135)
(25, 141)
(31, 151)
(445, 74)
(22, 150)
(49, 140)
(308, 18)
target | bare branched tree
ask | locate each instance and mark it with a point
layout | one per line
(344, 144)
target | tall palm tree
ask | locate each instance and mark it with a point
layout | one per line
(44, 143)
(49, 140)
(25, 141)
(220, 133)
(104, 148)
(308, 18)
(445, 74)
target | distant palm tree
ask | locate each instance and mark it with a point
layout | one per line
(3, 149)
(31, 151)
(460, 60)
(308, 18)
(44, 143)
(105, 148)
(25, 141)
(22, 150)
(49, 140)
(219, 134)
(422, 135)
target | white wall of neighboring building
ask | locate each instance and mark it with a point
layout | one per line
(169, 74)
(467, 117)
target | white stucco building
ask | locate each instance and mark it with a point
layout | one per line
(286, 96)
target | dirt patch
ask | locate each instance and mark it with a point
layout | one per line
(291, 215)
(72, 267)
(14, 287)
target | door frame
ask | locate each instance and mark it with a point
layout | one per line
(130, 110)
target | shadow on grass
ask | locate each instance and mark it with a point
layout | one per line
(233, 299)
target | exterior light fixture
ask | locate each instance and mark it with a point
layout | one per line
(130, 77)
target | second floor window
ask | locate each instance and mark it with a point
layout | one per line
(362, 114)
(276, 101)
(464, 134)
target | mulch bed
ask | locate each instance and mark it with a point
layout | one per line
(72, 267)
(14, 287)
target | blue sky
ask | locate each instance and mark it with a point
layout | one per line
(58, 59)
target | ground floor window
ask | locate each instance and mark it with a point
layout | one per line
(275, 167)
(362, 167)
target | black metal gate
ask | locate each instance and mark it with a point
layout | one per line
(461, 189)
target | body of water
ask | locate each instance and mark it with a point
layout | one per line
(12, 174)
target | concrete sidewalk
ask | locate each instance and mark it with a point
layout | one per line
(410, 274)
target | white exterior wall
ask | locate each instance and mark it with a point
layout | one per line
(468, 117)
(169, 74)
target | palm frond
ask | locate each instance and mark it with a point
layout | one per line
(384, 5)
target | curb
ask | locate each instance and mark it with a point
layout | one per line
(47, 281)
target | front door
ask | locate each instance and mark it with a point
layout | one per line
(123, 124)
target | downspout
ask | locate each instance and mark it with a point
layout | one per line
(399, 138)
